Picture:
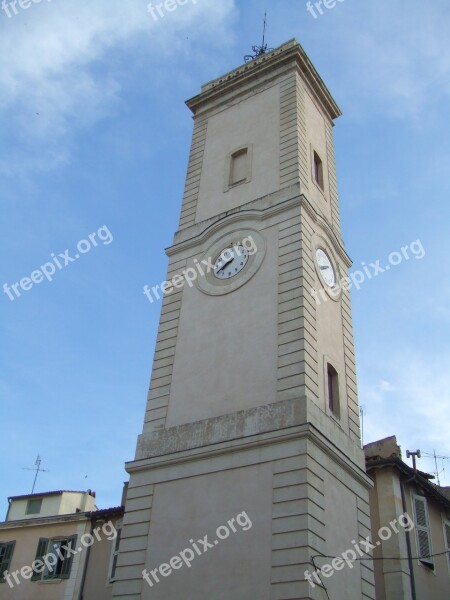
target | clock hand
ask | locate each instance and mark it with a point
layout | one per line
(223, 266)
(324, 268)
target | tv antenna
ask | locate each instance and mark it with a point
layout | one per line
(259, 50)
(38, 470)
(436, 457)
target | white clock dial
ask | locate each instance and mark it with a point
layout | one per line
(325, 267)
(231, 261)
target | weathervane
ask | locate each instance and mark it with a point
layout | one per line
(259, 50)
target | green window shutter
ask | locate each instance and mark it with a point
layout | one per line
(6, 552)
(447, 534)
(423, 533)
(8, 555)
(447, 539)
(41, 551)
(115, 554)
(67, 562)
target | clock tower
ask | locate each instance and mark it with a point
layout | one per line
(250, 463)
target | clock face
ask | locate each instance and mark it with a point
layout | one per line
(231, 261)
(326, 267)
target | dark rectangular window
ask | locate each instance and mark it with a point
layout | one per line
(239, 167)
(333, 391)
(318, 170)
(447, 539)
(60, 549)
(34, 506)
(115, 554)
(6, 552)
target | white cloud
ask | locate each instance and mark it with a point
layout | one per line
(392, 55)
(385, 386)
(54, 70)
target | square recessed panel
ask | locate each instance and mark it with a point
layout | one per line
(253, 122)
(237, 567)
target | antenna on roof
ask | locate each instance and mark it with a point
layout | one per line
(38, 470)
(435, 457)
(259, 50)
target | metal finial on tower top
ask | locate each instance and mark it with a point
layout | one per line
(259, 50)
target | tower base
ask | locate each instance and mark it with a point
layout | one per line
(235, 507)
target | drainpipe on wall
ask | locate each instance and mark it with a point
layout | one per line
(9, 508)
(408, 540)
(86, 562)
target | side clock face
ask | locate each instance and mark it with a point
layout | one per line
(231, 261)
(326, 267)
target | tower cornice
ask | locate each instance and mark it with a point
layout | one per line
(262, 69)
(259, 209)
(290, 420)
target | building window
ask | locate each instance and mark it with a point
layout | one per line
(447, 540)
(333, 390)
(34, 506)
(423, 533)
(318, 171)
(61, 556)
(239, 167)
(115, 554)
(6, 552)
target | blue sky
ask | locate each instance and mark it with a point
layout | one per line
(94, 132)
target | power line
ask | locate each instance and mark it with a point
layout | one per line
(384, 557)
(371, 558)
(318, 573)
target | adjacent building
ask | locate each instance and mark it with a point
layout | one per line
(415, 562)
(58, 546)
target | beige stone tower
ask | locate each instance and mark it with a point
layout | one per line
(251, 435)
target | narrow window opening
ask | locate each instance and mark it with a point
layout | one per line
(318, 171)
(6, 552)
(62, 550)
(333, 390)
(447, 539)
(239, 167)
(34, 506)
(115, 555)
(54, 572)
